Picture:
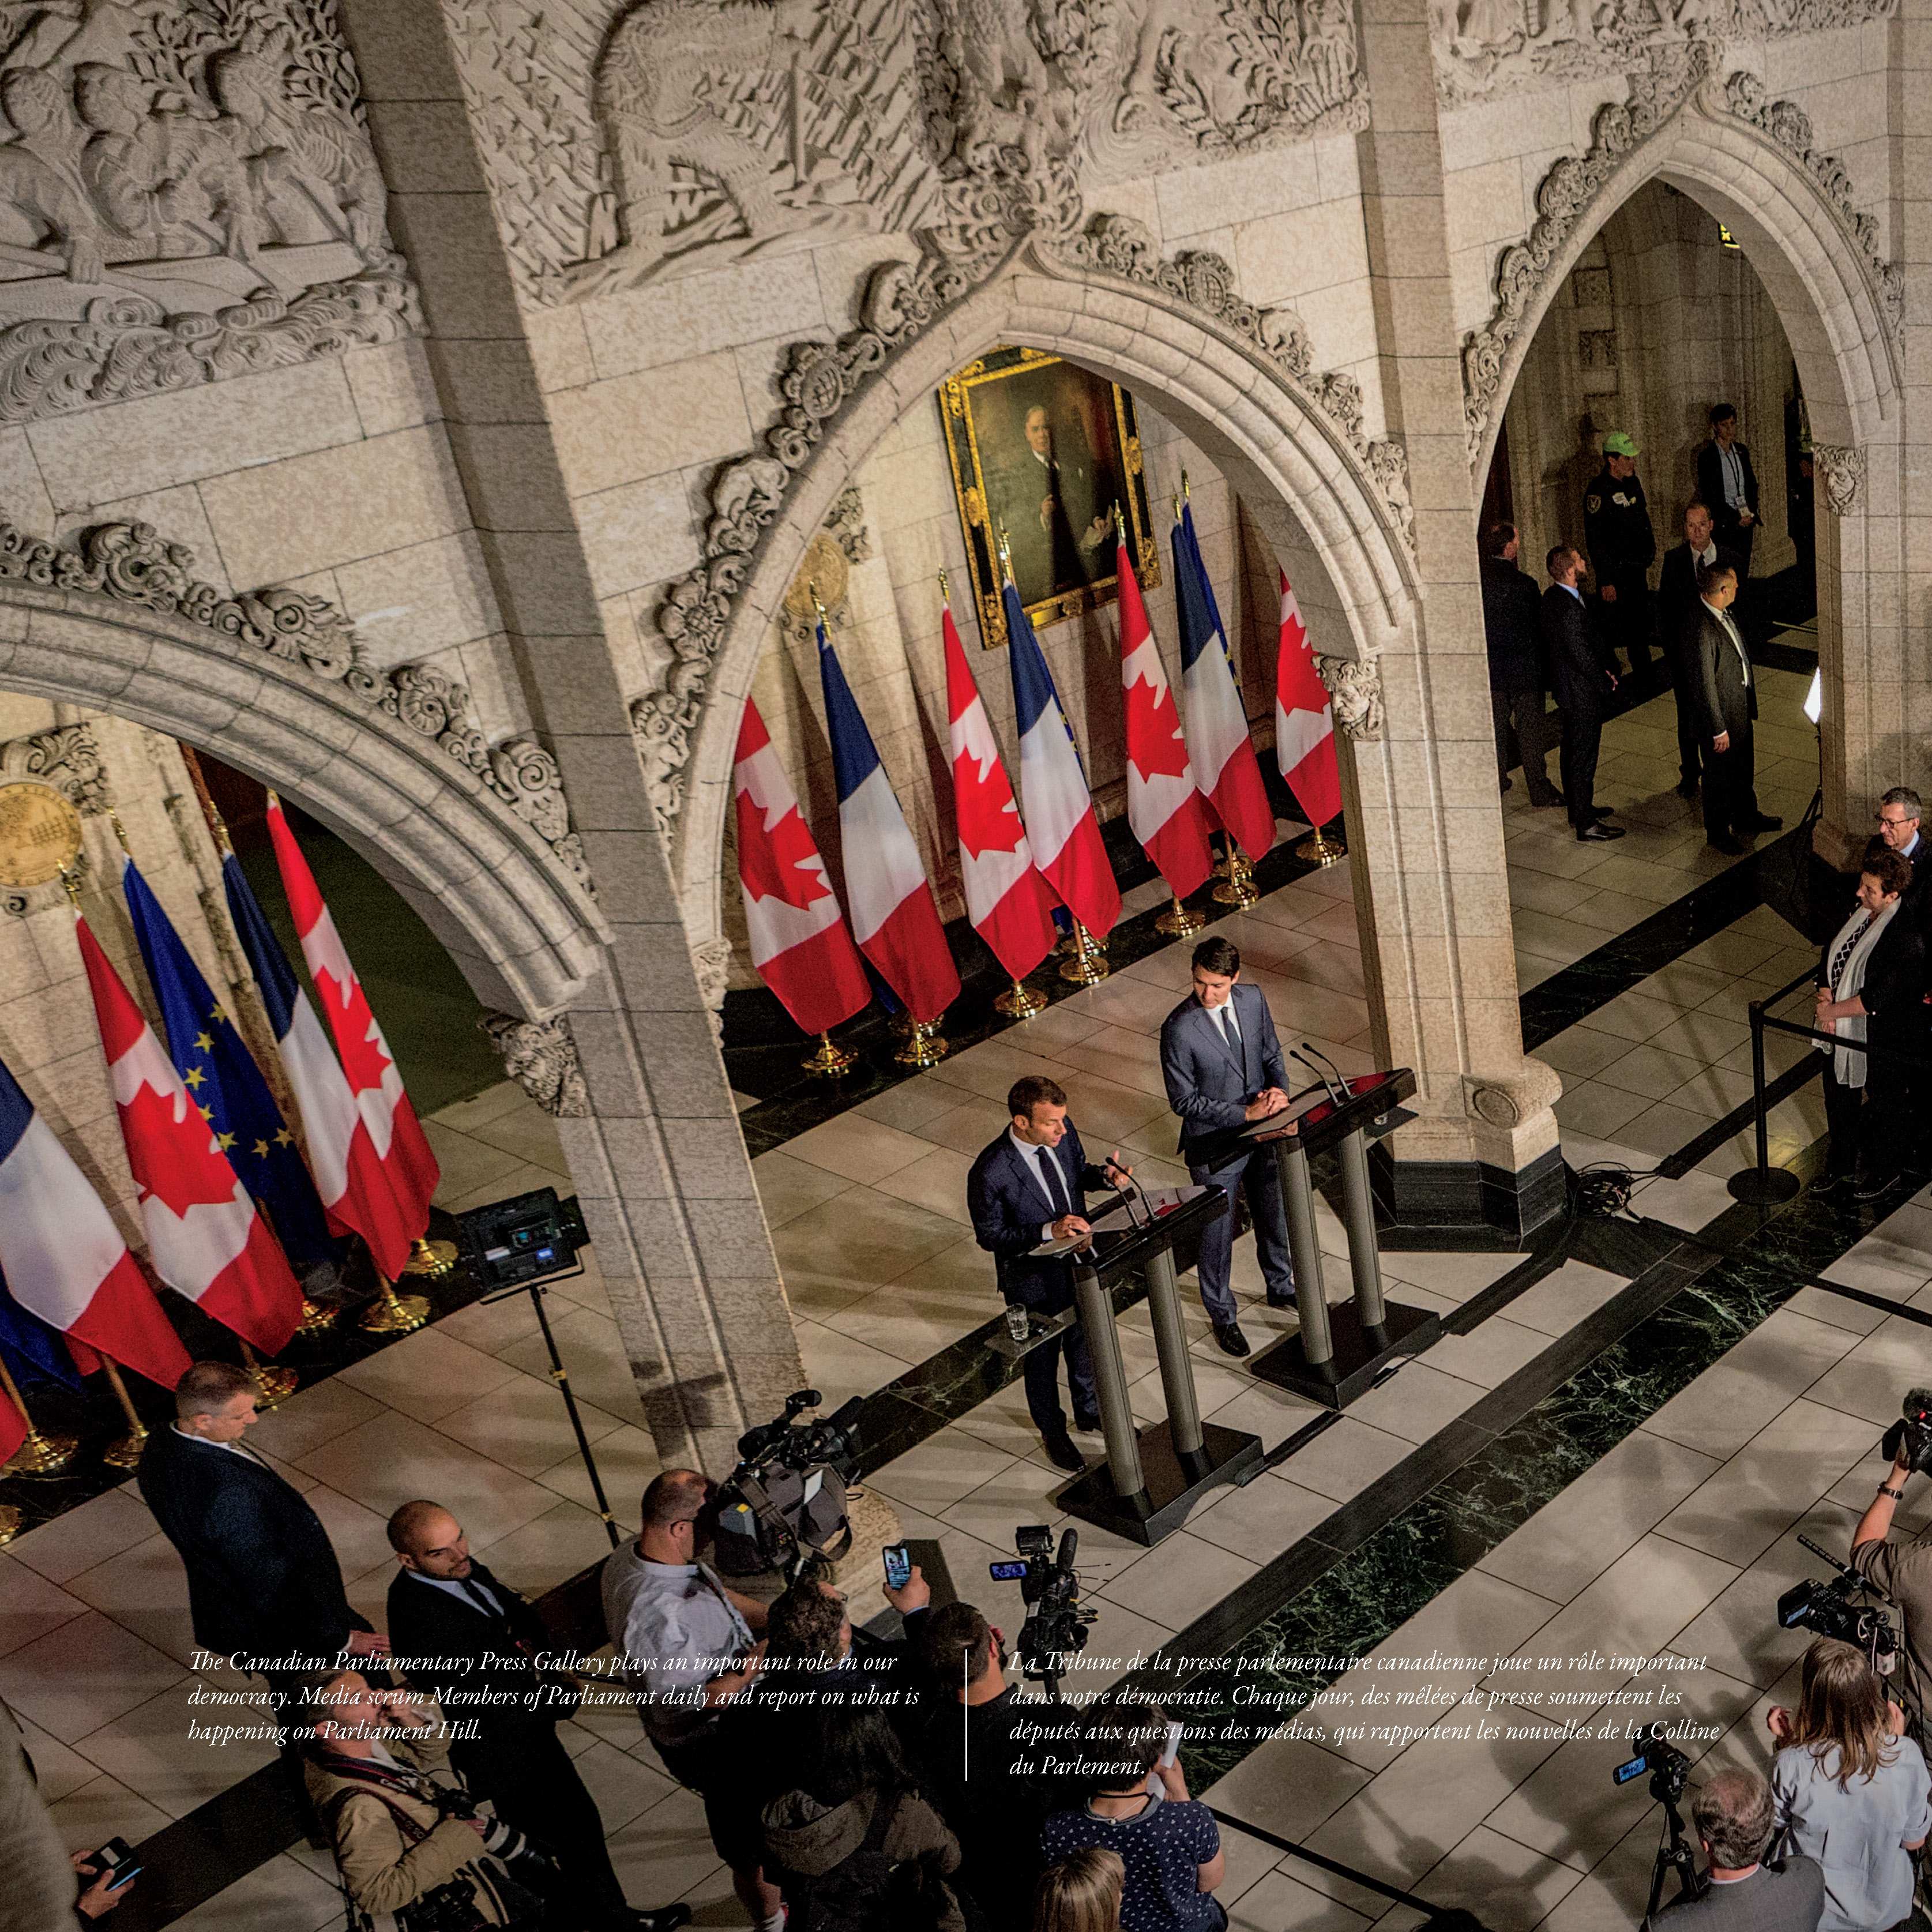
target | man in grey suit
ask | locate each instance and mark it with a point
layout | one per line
(1733, 1816)
(1724, 695)
(1223, 1067)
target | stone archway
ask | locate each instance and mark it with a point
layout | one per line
(476, 837)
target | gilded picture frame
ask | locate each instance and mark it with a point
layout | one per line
(1045, 449)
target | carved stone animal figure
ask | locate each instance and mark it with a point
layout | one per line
(1008, 96)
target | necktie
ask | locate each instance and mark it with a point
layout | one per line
(1231, 1030)
(1056, 1188)
(478, 1596)
(1844, 952)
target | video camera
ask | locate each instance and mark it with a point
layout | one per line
(1056, 1626)
(1827, 1610)
(1669, 1769)
(784, 1505)
(1913, 1432)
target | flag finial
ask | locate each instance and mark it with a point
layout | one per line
(945, 596)
(120, 830)
(1120, 526)
(1186, 494)
(70, 884)
(813, 587)
(1006, 555)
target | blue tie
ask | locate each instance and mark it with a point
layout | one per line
(1056, 1187)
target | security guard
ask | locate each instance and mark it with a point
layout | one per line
(1617, 533)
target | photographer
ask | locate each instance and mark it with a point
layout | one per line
(1902, 1570)
(969, 1742)
(1848, 1792)
(1733, 1816)
(1168, 1842)
(401, 1844)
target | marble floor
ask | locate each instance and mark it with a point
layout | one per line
(868, 1214)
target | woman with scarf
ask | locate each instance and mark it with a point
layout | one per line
(1871, 992)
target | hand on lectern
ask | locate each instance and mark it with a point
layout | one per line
(1070, 1227)
(1270, 1101)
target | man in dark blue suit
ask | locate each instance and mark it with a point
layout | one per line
(1030, 1186)
(1223, 1067)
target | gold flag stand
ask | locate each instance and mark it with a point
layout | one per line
(1323, 849)
(925, 1046)
(1088, 966)
(433, 1257)
(39, 1455)
(1180, 919)
(1238, 887)
(273, 1383)
(394, 1314)
(828, 1061)
(125, 1453)
(1020, 1002)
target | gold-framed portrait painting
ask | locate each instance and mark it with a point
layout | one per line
(1044, 450)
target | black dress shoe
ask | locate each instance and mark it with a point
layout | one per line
(1726, 845)
(1060, 1452)
(1600, 834)
(1088, 1425)
(1766, 821)
(1229, 1338)
(1687, 788)
(1276, 1301)
(1509, 784)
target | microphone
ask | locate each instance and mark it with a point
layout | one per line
(1337, 1095)
(1128, 1188)
(1309, 1046)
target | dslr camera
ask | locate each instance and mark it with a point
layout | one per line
(1912, 1434)
(1669, 1769)
(783, 1506)
(1827, 1610)
(1056, 1626)
(527, 1862)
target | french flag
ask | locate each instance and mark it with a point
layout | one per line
(800, 945)
(391, 1172)
(1060, 822)
(1225, 767)
(1163, 806)
(64, 1259)
(1304, 720)
(205, 1239)
(1010, 905)
(356, 1190)
(894, 918)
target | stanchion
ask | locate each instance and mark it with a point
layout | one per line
(39, 1455)
(273, 1383)
(435, 1258)
(925, 1046)
(1020, 1002)
(394, 1314)
(1762, 1185)
(1323, 849)
(125, 1453)
(1180, 919)
(1088, 967)
(830, 1061)
(1238, 888)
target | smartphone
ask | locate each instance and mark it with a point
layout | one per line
(898, 1566)
(1173, 1750)
(117, 1857)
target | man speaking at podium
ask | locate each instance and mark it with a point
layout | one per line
(1029, 1186)
(1223, 1068)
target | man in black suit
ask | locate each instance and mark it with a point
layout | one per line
(1580, 670)
(1725, 696)
(1732, 1815)
(1028, 1186)
(1677, 607)
(447, 1609)
(1727, 482)
(262, 1580)
(1515, 666)
(1899, 813)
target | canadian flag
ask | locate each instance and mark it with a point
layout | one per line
(1304, 720)
(1010, 905)
(1163, 806)
(204, 1237)
(391, 1172)
(800, 944)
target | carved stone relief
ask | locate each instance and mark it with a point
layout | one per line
(712, 960)
(824, 579)
(67, 759)
(128, 563)
(541, 1057)
(1484, 47)
(1841, 468)
(1355, 686)
(187, 192)
(1597, 348)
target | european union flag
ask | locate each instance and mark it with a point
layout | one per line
(214, 1062)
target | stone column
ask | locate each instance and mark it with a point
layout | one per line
(1433, 896)
(653, 1140)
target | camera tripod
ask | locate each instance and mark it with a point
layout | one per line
(1676, 1854)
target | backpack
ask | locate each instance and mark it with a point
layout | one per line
(865, 1892)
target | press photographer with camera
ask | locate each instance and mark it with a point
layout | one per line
(1849, 1792)
(1734, 1817)
(403, 1842)
(1903, 1571)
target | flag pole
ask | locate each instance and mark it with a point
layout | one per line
(1180, 919)
(39, 1455)
(125, 1452)
(1238, 888)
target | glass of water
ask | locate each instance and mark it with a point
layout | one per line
(1019, 1322)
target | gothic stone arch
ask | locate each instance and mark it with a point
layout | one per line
(1291, 461)
(270, 684)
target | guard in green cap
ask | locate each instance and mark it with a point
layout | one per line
(1618, 535)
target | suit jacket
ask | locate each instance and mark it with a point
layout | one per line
(1577, 671)
(1677, 593)
(498, 1688)
(1009, 1207)
(1510, 626)
(1787, 1897)
(1894, 991)
(1710, 483)
(1918, 896)
(1207, 1084)
(1719, 696)
(262, 1574)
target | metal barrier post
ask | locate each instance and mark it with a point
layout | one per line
(1762, 1185)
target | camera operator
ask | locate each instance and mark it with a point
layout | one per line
(402, 1841)
(1849, 1792)
(1903, 1571)
(689, 1647)
(1734, 1815)
(968, 1743)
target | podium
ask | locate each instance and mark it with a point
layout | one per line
(1340, 1349)
(1152, 1476)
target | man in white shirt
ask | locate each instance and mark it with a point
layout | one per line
(1726, 694)
(1727, 482)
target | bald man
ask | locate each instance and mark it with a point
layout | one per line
(445, 1607)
